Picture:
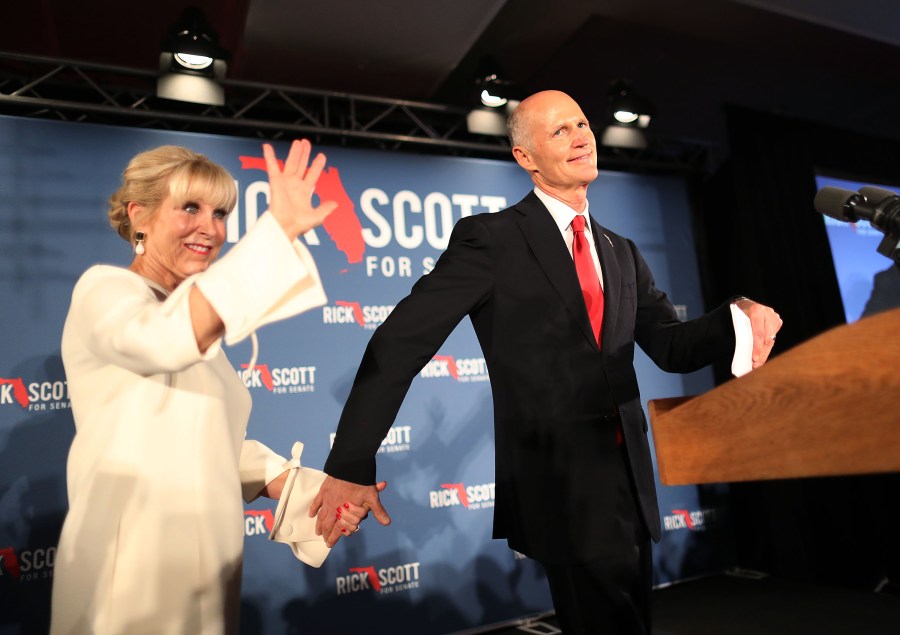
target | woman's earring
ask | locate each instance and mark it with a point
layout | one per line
(139, 243)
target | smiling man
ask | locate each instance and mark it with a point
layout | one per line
(557, 302)
(553, 142)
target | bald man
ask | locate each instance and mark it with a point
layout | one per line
(557, 302)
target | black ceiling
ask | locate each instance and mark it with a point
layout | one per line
(833, 61)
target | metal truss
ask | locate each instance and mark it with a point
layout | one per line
(41, 87)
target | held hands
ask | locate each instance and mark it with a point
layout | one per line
(291, 189)
(348, 518)
(764, 323)
(340, 506)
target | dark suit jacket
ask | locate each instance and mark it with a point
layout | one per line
(555, 392)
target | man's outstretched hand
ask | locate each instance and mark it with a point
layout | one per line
(329, 501)
(765, 324)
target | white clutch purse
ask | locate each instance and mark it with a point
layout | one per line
(292, 525)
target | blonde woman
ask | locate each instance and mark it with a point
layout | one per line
(153, 539)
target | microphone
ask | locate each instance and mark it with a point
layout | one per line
(878, 206)
(875, 194)
(838, 203)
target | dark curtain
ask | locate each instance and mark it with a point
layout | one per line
(761, 237)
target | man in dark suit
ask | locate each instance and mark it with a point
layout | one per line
(574, 479)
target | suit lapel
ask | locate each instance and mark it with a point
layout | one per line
(612, 279)
(549, 249)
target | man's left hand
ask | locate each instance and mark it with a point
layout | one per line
(765, 324)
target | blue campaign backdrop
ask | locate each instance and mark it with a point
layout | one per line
(436, 569)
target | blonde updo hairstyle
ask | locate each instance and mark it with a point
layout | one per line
(172, 171)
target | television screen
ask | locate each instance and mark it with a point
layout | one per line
(869, 282)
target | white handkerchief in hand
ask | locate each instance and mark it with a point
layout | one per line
(293, 526)
(742, 363)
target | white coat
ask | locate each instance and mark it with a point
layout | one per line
(153, 539)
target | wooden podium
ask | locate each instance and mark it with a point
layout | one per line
(827, 407)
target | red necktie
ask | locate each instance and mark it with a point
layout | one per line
(587, 276)
(590, 287)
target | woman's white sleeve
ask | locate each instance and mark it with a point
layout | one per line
(121, 321)
(265, 277)
(292, 524)
(259, 466)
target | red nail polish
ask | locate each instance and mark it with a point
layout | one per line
(343, 531)
(346, 505)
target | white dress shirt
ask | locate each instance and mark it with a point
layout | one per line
(562, 214)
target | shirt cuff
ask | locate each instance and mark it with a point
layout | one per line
(293, 525)
(742, 362)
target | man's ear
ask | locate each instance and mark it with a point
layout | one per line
(523, 158)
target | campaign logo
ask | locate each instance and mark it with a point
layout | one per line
(398, 439)
(35, 396)
(14, 391)
(411, 221)
(696, 520)
(402, 577)
(279, 381)
(29, 565)
(348, 312)
(462, 370)
(342, 225)
(404, 218)
(258, 522)
(9, 564)
(457, 494)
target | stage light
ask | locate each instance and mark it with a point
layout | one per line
(619, 136)
(191, 62)
(490, 121)
(625, 116)
(628, 115)
(494, 99)
(627, 106)
(493, 87)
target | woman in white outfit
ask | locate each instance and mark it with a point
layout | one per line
(153, 539)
